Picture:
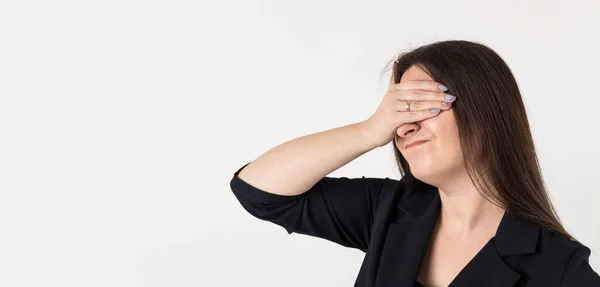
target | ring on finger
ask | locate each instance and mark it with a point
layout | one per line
(408, 106)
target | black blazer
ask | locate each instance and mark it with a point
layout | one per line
(393, 226)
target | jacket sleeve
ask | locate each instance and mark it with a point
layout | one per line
(578, 272)
(338, 209)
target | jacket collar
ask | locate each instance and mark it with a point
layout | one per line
(410, 226)
(513, 237)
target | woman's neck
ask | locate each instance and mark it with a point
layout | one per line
(465, 213)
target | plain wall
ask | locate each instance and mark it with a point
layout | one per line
(122, 123)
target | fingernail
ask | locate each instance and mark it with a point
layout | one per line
(443, 88)
(435, 110)
(446, 104)
(450, 97)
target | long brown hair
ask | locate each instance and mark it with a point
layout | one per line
(498, 149)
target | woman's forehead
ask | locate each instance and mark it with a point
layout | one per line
(415, 73)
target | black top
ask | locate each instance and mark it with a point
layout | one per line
(393, 225)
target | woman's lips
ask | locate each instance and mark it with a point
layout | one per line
(415, 145)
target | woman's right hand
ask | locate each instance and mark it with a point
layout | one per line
(424, 96)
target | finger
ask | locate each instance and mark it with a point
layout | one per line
(421, 85)
(422, 105)
(414, 116)
(420, 95)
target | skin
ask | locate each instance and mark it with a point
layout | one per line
(467, 220)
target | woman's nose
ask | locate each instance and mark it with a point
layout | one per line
(407, 129)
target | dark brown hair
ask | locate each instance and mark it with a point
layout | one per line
(498, 148)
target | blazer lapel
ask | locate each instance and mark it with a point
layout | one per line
(409, 232)
(488, 268)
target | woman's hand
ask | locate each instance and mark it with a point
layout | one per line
(425, 97)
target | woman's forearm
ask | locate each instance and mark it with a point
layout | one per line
(295, 166)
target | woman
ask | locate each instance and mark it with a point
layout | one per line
(471, 208)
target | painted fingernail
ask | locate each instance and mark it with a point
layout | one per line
(450, 97)
(443, 88)
(435, 110)
(446, 104)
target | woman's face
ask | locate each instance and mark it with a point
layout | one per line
(439, 159)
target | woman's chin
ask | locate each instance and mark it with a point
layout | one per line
(420, 167)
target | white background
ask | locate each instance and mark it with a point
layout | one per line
(122, 123)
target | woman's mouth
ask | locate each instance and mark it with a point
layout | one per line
(415, 144)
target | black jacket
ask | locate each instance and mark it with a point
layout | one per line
(393, 226)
